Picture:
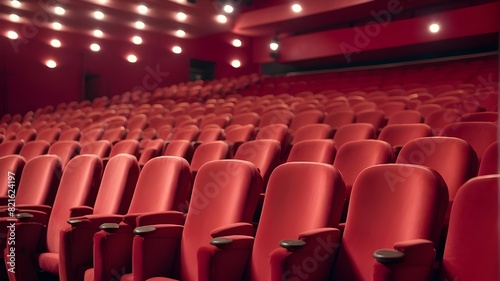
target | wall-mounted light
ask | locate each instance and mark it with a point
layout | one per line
(180, 33)
(14, 17)
(235, 63)
(98, 33)
(221, 19)
(56, 26)
(142, 9)
(177, 50)
(434, 28)
(132, 58)
(237, 43)
(55, 43)
(181, 16)
(95, 47)
(51, 64)
(228, 8)
(137, 40)
(139, 25)
(296, 8)
(98, 15)
(59, 10)
(12, 35)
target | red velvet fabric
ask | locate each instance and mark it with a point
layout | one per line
(317, 150)
(352, 132)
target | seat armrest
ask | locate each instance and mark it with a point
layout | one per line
(33, 216)
(80, 211)
(387, 256)
(292, 245)
(94, 221)
(160, 230)
(140, 230)
(240, 228)
(167, 217)
(42, 208)
(23, 217)
(220, 242)
(109, 227)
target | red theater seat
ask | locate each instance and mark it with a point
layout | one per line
(238, 185)
(306, 118)
(472, 246)
(51, 135)
(312, 132)
(317, 150)
(276, 117)
(11, 167)
(125, 146)
(353, 132)
(399, 135)
(180, 148)
(374, 117)
(100, 148)
(405, 117)
(26, 134)
(11, 147)
(489, 162)
(439, 119)
(72, 134)
(66, 150)
(78, 187)
(34, 148)
(410, 202)
(340, 118)
(264, 154)
(208, 151)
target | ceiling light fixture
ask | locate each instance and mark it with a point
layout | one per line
(139, 25)
(55, 43)
(221, 18)
(142, 9)
(132, 58)
(181, 16)
(51, 64)
(98, 15)
(98, 33)
(274, 45)
(296, 8)
(434, 28)
(15, 3)
(59, 10)
(95, 47)
(177, 49)
(12, 35)
(56, 26)
(137, 40)
(180, 33)
(237, 43)
(228, 8)
(14, 17)
(236, 63)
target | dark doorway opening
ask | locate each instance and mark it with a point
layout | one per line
(92, 86)
(199, 69)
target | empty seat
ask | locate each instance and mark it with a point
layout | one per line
(66, 150)
(91, 136)
(100, 148)
(238, 134)
(138, 121)
(115, 193)
(208, 151)
(427, 109)
(352, 132)
(478, 134)
(439, 119)
(399, 135)
(125, 146)
(405, 117)
(221, 121)
(480, 117)
(303, 202)
(180, 148)
(489, 162)
(316, 150)
(313, 131)
(452, 158)
(72, 134)
(209, 134)
(410, 201)
(277, 132)
(264, 154)
(374, 117)
(78, 187)
(246, 118)
(34, 148)
(339, 118)
(306, 118)
(11, 167)
(276, 117)
(189, 133)
(114, 135)
(392, 107)
(11, 147)
(472, 245)
(26, 134)
(51, 135)
(164, 185)
(152, 149)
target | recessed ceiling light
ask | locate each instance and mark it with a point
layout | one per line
(296, 8)
(55, 43)
(237, 43)
(180, 33)
(137, 40)
(98, 15)
(95, 47)
(236, 63)
(59, 10)
(14, 17)
(98, 33)
(51, 64)
(228, 8)
(12, 35)
(221, 19)
(15, 3)
(177, 49)
(56, 25)
(181, 16)
(139, 25)
(274, 46)
(132, 58)
(434, 28)
(142, 9)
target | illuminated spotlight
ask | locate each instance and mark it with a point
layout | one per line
(221, 19)
(142, 9)
(12, 35)
(56, 25)
(181, 16)
(434, 28)
(55, 43)
(177, 49)
(98, 15)
(95, 47)
(137, 40)
(51, 64)
(237, 43)
(180, 33)
(228, 8)
(15, 3)
(296, 8)
(139, 25)
(59, 10)
(98, 33)
(274, 45)
(132, 58)
(14, 17)
(236, 63)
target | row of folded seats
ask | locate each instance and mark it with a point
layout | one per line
(122, 222)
